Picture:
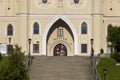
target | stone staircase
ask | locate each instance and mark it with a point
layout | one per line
(61, 68)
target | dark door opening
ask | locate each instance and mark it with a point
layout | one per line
(60, 50)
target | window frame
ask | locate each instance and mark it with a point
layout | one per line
(44, 1)
(36, 28)
(84, 48)
(84, 28)
(10, 30)
(36, 48)
(60, 31)
(108, 29)
(76, 1)
(9, 48)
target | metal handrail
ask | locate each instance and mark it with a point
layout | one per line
(96, 74)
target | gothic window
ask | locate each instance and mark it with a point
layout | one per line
(10, 30)
(108, 29)
(84, 48)
(76, 1)
(44, 1)
(36, 28)
(84, 28)
(35, 48)
(60, 31)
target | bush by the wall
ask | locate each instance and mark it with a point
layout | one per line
(116, 56)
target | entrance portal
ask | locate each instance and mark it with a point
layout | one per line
(60, 50)
(60, 40)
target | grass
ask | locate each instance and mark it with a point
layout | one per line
(113, 71)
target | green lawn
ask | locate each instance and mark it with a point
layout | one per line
(113, 71)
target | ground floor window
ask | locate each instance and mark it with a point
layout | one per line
(9, 48)
(109, 50)
(35, 48)
(84, 48)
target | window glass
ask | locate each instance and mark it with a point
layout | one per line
(36, 28)
(76, 1)
(108, 29)
(84, 48)
(9, 48)
(84, 28)
(44, 1)
(60, 31)
(10, 30)
(35, 48)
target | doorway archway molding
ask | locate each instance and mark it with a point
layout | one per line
(65, 19)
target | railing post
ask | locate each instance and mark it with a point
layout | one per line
(93, 63)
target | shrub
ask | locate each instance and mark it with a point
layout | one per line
(116, 56)
(16, 69)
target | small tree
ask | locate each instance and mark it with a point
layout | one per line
(114, 38)
(16, 68)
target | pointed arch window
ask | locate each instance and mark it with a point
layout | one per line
(108, 29)
(44, 1)
(10, 30)
(76, 1)
(60, 31)
(84, 28)
(36, 28)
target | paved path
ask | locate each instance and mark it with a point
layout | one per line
(61, 68)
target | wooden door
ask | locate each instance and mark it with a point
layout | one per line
(60, 50)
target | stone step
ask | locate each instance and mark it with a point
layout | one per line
(61, 68)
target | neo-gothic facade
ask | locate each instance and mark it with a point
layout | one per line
(58, 27)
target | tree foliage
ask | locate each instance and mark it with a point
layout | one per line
(16, 67)
(114, 37)
(116, 56)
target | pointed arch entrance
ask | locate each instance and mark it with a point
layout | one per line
(70, 26)
(60, 31)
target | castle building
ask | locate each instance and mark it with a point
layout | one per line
(58, 27)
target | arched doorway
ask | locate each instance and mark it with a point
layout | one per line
(45, 34)
(58, 33)
(60, 50)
